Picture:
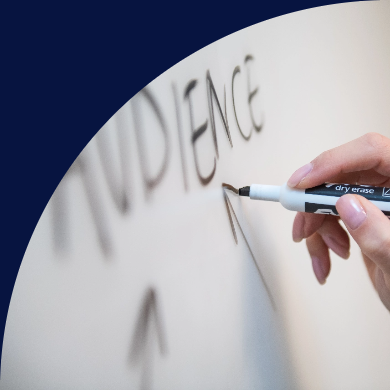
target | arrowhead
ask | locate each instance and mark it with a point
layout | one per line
(231, 215)
(148, 310)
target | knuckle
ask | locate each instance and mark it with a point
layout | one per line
(328, 155)
(376, 141)
(379, 248)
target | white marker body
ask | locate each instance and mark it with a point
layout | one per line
(296, 199)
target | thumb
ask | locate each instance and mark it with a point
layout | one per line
(368, 226)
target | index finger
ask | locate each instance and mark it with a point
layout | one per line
(369, 152)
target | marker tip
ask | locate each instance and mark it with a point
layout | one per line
(244, 191)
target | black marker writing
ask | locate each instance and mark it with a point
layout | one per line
(149, 181)
(181, 142)
(60, 220)
(140, 349)
(117, 177)
(230, 212)
(82, 166)
(212, 96)
(196, 133)
(251, 95)
(235, 72)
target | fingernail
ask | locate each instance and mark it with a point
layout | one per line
(351, 211)
(318, 269)
(299, 175)
(337, 247)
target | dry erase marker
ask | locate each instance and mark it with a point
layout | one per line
(319, 200)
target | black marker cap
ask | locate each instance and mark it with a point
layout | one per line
(244, 191)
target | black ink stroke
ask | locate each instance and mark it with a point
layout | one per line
(139, 350)
(246, 137)
(60, 220)
(181, 142)
(251, 95)
(149, 182)
(231, 214)
(212, 95)
(230, 188)
(196, 133)
(117, 178)
(83, 166)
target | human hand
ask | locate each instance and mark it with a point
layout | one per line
(365, 160)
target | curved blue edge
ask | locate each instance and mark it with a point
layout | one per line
(67, 69)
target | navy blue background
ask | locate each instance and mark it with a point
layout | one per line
(67, 68)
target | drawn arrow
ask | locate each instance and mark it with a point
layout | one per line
(141, 349)
(230, 212)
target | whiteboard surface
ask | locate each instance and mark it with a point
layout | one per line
(144, 272)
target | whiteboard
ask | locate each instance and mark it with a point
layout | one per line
(147, 271)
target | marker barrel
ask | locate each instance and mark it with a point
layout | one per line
(321, 199)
